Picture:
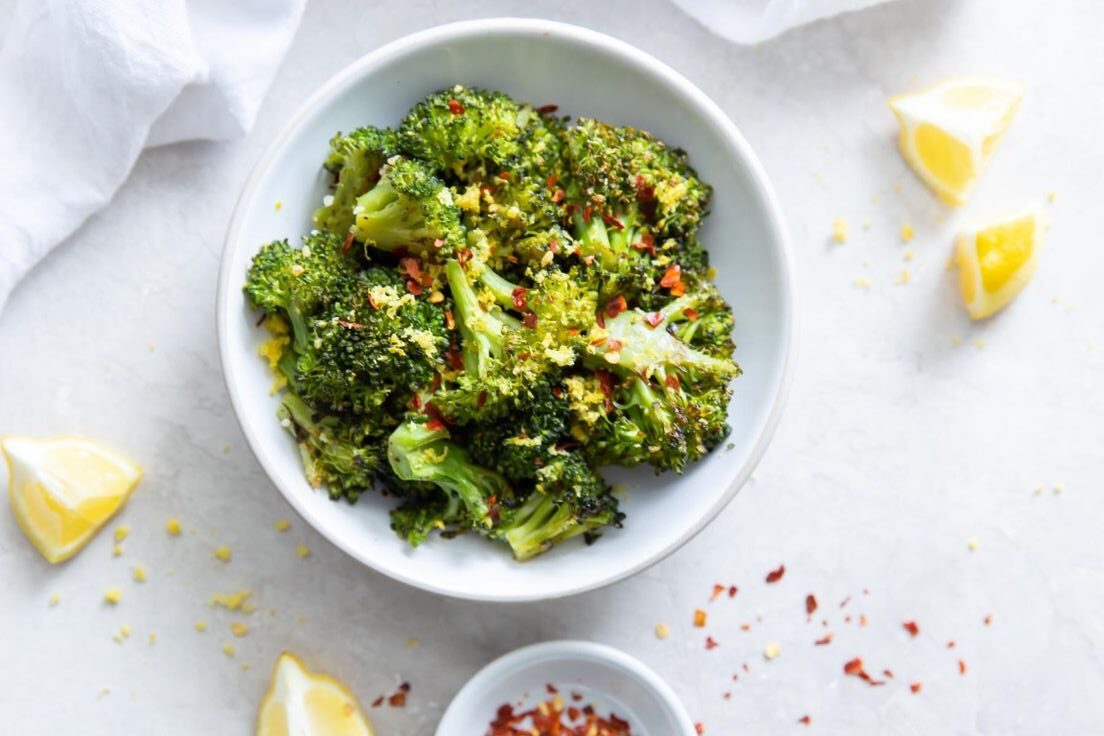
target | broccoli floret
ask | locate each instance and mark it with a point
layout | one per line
(408, 210)
(373, 348)
(677, 396)
(421, 451)
(341, 454)
(506, 357)
(702, 319)
(356, 160)
(299, 282)
(570, 499)
(474, 134)
(525, 440)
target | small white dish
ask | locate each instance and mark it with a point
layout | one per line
(585, 73)
(607, 678)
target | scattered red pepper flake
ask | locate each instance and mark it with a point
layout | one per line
(398, 700)
(961, 667)
(450, 321)
(805, 720)
(455, 359)
(350, 325)
(414, 287)
(826, 639)
(558, 196)
(718, 589)
(699, 618)
(888, 673)
(854, 668)
(845, 601)
(557, 392)
(455, 107)
(745, 627)
(548, 109)
(862, 619)
(847, 619)
(911, 628)
(915, 687)
(504, 175)
(616, 306)
(518, 295)
(463, 256)
(671, 381)
(711, 643)
(586, 214)
(951, 644)
(600, 318)
(438, 243)
(613, 345)
(988, 619)
(653, 319)
(678, 289)
(481, 399)
(646, 244)
(672, 276)
(745, 667)
(699, 729)
(732, 591)
(348, 243)
(378, 701)
(605, 383)
(775, 575)
(810, 604)
(612, 221)
(530, 320)
(550, 182)
(691, 314)
(415, 402)
(436, 420)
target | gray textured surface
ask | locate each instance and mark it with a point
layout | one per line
(897, 448)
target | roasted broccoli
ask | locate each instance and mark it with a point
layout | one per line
(497, 303)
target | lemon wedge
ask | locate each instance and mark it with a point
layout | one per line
(996, 260)
(63, 490)
(304, 703)
(949, 131)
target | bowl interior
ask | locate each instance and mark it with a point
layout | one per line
(606, 678)
(585, 74)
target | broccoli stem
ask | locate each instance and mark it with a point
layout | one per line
(481, 333)
(537, 524)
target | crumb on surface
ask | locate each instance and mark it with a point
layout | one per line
(411, 643)
(973, 544)
(772, 650)
(662, 630)
(117, 550)
(54, 599)
(282, 525)
(121, 532)
(113, 595)
(979, 343)
(910, 254)
(228, 649)
(907, 232)
(904, 278)
(152, 638)
(239, 629)
(139, 574)
(839, 230)
(238, 601)
(302, 550)
(861, 282)
(172, 526)
(222, 553)
(278, 205)
(201, 626)
(700, 618)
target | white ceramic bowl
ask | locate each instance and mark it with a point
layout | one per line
(607, 678)
(585, 73)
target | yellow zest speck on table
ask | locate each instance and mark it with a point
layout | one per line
(122, 634)
(973, 545)
(839, 230)
(239, 629)
(772, 650)
(229, 650)
(117, 550)
(226, 448)
(113, 596)
(662, 631)
(139, 574)
(904, 278)
(910, 254)
(282, 525)
(222, 553)
(54, 599)
(1051, 196)
(172, 526)
(861, 282)
(1059, 487)
(278, 205)
(979, 343)
(121, 533)
(907, 233)
(233, 601)
(302, 550)
(152, 638)
(201, 626)
(410, 643)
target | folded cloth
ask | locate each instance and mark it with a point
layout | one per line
(85, 85)
(752, 21)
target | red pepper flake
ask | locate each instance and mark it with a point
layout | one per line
(718, 589)
(671, 381)
(699, 618)
(732, 591)
(438, 243)
(699, 729)
(504, 175)
(710, 643)
(551, 689)
(646, 244)
(554, 245)
(455, 359)
(854, 668)
(481, 399)
(558, 196)
(847, 619)
(845, 601)
(573, 331)
(557, 392)
(455, 107)
(547, 109)
(373, 302)
(915, 687)
(691, 314)
(551, 181)
(415, 402)
(653, 319)
(745, 627)
(463, 256)
(348, 243)
(616, 306)
(745, 667)
(600, 318)
(412, 268)
(612, 221)
(586, 214)
(644, 193)
(826, 639)
(810, 604)
(378, 701)
(888, 673)
(671, 276)
(588, 260)
(414, 288)
(775, 575)
(678, 289)
(961, 667)
(613, 345)
(951, 644)
(450, 321)
(436, 421)
(911, 628)
(518, 295)
(727, 696)
(862, 619)
(805, 720)
(605, 383)
(988, 619)
(398, 700)
(530, 320)
(350, 325)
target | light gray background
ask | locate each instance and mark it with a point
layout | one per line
(898, 447)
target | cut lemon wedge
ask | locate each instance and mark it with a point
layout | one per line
(996, 260)
(63, 490)
(949, 131)
(304, 703)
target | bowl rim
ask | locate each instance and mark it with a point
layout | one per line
(573, 649)
(337, 85)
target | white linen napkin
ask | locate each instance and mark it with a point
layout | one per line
(752, 21)
(85, 85)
